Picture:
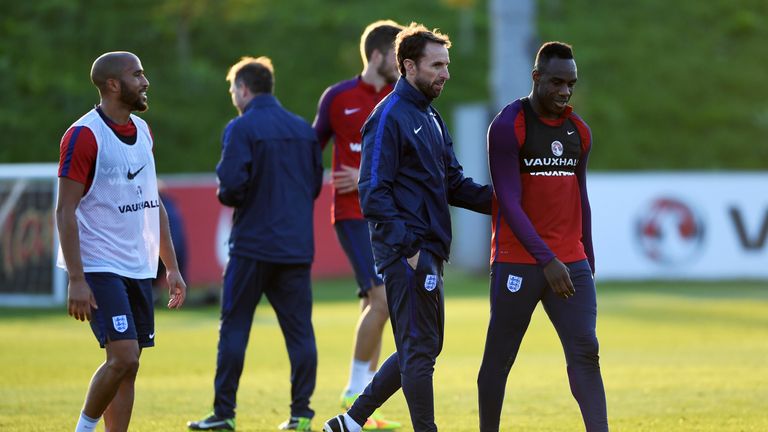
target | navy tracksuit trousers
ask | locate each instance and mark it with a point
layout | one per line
(516, 289)
(288, 289)
(416, 310)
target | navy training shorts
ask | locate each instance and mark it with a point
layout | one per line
(355, 239)
(126, 309)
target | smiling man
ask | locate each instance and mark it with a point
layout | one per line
(113, 226)
(409, 176)
(541, 248)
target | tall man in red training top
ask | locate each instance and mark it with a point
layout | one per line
(113, 226)
(341, 112)
(542, 238)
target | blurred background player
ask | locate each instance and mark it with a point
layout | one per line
(341, 112)
(409, 176)
(113, 227)
(270, 171)
(542, 237)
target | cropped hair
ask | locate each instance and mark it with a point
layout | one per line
(379, 35)
(411, 41)
(256, 73)
(552, 50)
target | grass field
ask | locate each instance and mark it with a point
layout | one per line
(675, 357)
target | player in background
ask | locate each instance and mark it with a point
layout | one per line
(541, 247)
(112, 227)
(270, 171)
(409, 176)
(341, 112)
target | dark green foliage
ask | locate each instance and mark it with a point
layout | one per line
(186, 47)
(664, 85)
(669, 85)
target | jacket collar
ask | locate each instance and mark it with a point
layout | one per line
(406, 91)
(260, 101)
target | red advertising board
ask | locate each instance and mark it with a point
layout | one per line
(206, 225)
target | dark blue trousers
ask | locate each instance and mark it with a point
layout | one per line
(288, 289)
(416, 310)
(516, 289)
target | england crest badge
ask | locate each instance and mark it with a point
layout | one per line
(430, 282)
(514, 283)
(120, 322)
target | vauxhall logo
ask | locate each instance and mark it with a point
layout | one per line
(532, 162)
(138, 206)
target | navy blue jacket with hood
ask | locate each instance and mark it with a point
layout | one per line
(409, 176)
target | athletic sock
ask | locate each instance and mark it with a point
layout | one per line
(358, 377)
(352, 425)
(86, 424)
(371, 373)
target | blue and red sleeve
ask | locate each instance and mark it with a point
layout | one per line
(505, 137)
(77, 155)
(581, 174)
(322, 122)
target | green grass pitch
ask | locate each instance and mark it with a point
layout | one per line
(675, 357)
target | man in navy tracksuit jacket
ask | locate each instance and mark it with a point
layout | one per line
(409, 176)
(270, 172)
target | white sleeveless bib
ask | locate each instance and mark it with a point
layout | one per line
(119, 216)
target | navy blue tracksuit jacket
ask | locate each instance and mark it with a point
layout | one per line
(270, 147)
(271, 172)
(409, 176)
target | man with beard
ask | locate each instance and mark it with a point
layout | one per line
(341, 112)
(409, 176)
(270, 171)
(541, 249)
(112, 227)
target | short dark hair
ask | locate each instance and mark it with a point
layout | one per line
(257, 74)
(411, 41)
(551, 50)
(379, 35)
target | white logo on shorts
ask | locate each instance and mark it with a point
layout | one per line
(514, 283)
(120, 322)
(430, 282)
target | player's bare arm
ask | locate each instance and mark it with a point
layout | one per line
(345, 179)
(80, 299)
(177, 288)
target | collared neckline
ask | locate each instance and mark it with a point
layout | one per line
(260, 101)
(369, 88)
(411, 93)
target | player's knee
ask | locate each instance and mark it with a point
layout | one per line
(377, 296)
(584, 349)
(124, 365)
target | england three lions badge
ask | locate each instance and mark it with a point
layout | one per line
(120, 322)
(430, 282)
(514, 283)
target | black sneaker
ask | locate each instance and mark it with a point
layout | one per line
(213, 423)
(335, 424)
(301, 424)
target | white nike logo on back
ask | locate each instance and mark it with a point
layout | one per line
(416, 131)
(350, 111)
(152, 336)
(570, 132)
